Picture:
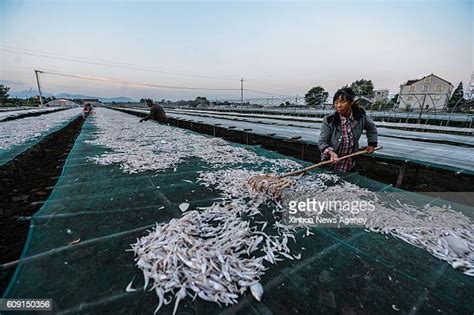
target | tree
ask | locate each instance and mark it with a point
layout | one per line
(383, 105)
(4, 95)
(363, 87)
(457, 99)
(200, 100)
(34, 100)
(316, 96)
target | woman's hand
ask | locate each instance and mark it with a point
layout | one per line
(370, 149)
(333, 156)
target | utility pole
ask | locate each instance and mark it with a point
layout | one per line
(470, 88)
(39, 87)
(241, 91)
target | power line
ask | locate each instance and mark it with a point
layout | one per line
(266, 83)
(111, 63)
(269, 93)
(108, 80)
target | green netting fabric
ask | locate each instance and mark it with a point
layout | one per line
(17, 136)
(165, 188)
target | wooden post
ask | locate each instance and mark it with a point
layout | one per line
(401, 175)
(416, 174)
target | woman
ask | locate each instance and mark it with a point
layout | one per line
(341, 131)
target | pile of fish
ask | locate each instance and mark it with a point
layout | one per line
(14, 132)
(207, 254)
(212, 253)
(219, 252)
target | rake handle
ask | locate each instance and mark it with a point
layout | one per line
(304, 170)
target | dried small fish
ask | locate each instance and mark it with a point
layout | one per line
(257, 291)
(213, 252)
(75, 241)
(14, 133)
(176, 257)
(12, 113)
(136, 149)
(129, 287)
(184, 206)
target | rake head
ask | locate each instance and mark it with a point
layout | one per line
(269, 184)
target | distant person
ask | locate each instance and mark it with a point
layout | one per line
(156, 112)
(86, 110)
(341, 131)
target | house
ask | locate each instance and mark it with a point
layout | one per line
(381, 95)
(430, 92)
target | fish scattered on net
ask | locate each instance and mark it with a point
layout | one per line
(154, 147)
(445, 233)
(18, 131)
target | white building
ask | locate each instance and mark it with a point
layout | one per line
(430, 92)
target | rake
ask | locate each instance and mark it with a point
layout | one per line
(274, 184)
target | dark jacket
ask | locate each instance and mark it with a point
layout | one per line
(331, 134)
(156, 113)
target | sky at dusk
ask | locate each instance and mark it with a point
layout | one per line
(278, 47)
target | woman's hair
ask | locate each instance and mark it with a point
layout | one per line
(346, 94)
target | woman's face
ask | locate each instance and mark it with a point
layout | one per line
(342, 106)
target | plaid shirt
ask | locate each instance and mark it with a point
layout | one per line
(347, 145)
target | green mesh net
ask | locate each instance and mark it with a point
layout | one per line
(76, 252)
